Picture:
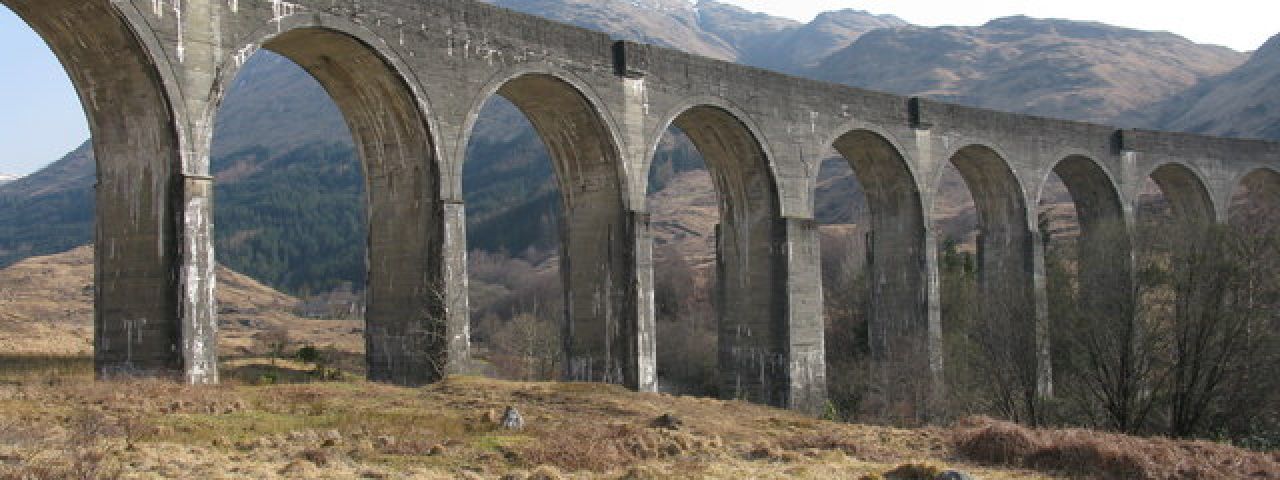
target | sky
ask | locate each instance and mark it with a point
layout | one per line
(41, 118)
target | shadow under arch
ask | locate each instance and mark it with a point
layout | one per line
(1186, 192)
(904, 341)
(415, 326)
(139, 261)
(752, 328)
(1104, 252)
(1012, 333)
(603, 341)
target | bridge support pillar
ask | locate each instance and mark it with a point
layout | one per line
(154, 275)
(1011, 284)
(806, 373)
(769, 302)
(904, 324)
(606, 261)
(417, 329)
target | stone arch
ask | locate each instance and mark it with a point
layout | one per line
(601, 333)
(1263, 182)
(904, 342)
(751, 311)
(143, 272)
(520, 85)
(1094, 192)
(1186, 191)
(1104, 258)
(415, 323)
(997, 190)
(1010, 273)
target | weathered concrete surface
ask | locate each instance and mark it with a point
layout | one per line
(411, 75)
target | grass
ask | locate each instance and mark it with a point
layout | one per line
(76, 428)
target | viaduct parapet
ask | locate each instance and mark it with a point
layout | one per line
(410, 76)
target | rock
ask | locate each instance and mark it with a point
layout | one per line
(545, 472)
(954, 475)
(511, 419)
(385, 441)
(667, 421)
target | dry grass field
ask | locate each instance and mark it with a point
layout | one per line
(56, 422)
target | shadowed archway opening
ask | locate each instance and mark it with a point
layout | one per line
(991, 335)
(1088, 270)
(568, 316)
(684, 212)
(299, 206)
(875, 284)
(733, 283)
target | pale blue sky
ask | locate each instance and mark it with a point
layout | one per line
(41, 118)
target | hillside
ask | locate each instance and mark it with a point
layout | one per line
(46, 308)
(1242, 103)
(1056, 68)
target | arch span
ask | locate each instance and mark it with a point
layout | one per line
(1186, 191)
(1104, 243)
(415, 323)
(1010, 274)
(604, 335)
(904, 341)
(754, 356)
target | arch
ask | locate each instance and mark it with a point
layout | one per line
(903, 340)
(1104, 258)
(129, 97)
(997, 191)
(751, 324)
(520, 85)
(415, 324)
(1186, 191)
(1093, 190)
(599, 241)
(1262, 181)
(1010, 273)
(745, 130)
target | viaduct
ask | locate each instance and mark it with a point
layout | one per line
(410, 77)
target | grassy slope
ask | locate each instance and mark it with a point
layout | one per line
(57, 423)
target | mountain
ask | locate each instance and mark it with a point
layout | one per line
(667, 23)
(1242, 103)
(802, 48)
(7, 178)
(1058, 68)
(290, 193)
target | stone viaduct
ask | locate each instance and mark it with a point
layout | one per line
(410, 77)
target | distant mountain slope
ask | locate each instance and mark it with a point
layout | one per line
(1242, 103)
(1059, 68)
(667, 23)
(804, 47)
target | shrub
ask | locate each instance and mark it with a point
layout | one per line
(997, 443)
